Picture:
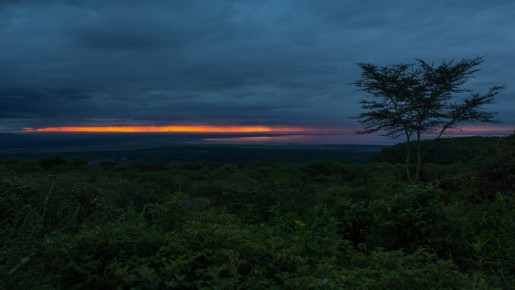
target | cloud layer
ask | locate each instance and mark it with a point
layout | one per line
(276, 62)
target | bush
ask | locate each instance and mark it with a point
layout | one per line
(52, 161)
(260, 225)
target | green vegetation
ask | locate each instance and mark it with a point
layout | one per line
(66, 224)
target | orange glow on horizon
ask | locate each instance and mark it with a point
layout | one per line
(248, 129)
(184, 129)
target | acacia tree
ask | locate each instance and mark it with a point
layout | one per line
(411, 99)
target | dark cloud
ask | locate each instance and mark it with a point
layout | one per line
(237, 62)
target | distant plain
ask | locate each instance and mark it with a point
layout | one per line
(128, 148)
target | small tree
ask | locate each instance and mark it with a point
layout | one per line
(411, 99)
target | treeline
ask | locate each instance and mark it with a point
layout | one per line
(67, 224)
(440, 151)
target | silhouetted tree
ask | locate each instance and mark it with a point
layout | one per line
(410, 99)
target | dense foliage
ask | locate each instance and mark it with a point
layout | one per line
(66, 224)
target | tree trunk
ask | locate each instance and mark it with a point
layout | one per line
(419, 158)
(408, 155)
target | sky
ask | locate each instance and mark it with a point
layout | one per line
(273, 64)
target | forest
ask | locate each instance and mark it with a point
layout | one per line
(68, 224)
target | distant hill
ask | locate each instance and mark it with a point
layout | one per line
(440, 151)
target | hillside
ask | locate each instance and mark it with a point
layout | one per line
(440, 151)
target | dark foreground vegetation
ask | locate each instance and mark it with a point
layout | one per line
(66, 224)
